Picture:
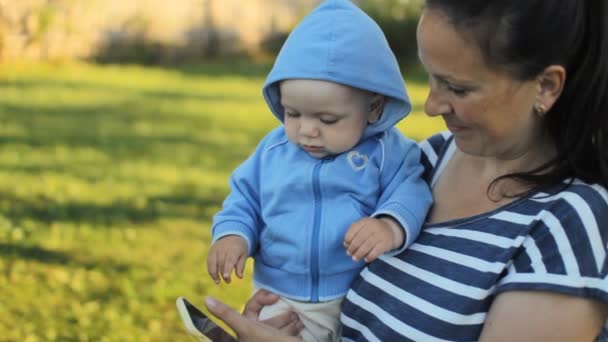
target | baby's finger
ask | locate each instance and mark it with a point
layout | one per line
(358, 241)
(221, 260)
(364, 249)
(352, 248)
(352, 232)
(212, 266)
(227, 267)
(240, 266)
(375, 253)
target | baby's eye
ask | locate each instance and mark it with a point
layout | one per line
(292, 114)
(329, 121)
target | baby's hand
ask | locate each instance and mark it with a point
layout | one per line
(227, 253)
(371, 237)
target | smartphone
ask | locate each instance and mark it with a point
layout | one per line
(199, 325)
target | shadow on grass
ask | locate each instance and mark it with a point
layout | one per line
(47, 210)
(32, 84)
(183, 205)
(35, 253)
(9, 251)
(112, 132)
(222, 68)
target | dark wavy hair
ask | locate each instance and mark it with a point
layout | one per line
(524, 37)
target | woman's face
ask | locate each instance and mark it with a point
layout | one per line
(489, 112)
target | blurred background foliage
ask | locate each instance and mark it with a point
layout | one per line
(118, 131)
(173, 32)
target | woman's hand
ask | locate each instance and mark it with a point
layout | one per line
(259, 300)
(249, 329)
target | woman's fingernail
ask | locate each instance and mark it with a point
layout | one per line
(210, 302)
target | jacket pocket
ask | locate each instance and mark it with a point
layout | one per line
(278, 248)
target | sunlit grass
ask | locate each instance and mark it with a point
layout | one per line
(109, 177)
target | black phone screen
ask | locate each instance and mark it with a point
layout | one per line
(206, 326)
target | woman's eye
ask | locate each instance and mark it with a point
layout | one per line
(458, 91)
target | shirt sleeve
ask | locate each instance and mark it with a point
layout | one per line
(432, 151)
(405, 195)
(565, 250)
(241, 211)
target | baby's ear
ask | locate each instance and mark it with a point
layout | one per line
(376, 107)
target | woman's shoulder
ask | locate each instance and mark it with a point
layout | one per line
(433, 150)
(563, 249)
(433, 146)
(577, 196)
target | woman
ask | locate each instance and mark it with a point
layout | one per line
(514, 247)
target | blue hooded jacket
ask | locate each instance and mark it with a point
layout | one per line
(293, 209)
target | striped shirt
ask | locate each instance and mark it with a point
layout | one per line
(441, 288)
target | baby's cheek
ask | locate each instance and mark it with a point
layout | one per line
(343, 139)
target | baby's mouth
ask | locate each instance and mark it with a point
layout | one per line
(312, 149)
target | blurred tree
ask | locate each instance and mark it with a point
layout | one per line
(398, 19)
(38, 22)
(3, 32)
(213, 44)
(396, 9)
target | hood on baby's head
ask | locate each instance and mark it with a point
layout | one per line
(338, 42)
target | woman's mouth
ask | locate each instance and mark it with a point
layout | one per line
(454, 127)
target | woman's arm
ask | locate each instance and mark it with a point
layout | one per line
(543, 316)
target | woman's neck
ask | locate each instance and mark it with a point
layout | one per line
(491, 168)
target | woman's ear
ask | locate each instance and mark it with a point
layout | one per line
(376, 107)
(551, 84)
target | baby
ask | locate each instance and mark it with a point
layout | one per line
(336, 185)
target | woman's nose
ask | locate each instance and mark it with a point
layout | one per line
(435, 104)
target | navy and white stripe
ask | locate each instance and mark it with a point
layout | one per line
(441, 288)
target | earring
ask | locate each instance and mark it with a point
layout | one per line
(540, 109)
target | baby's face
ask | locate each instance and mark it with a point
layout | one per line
(324, 118)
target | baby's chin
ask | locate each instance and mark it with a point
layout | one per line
(315, 151)
(319, 155)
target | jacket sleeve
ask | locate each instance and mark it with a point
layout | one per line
(405, 195)
(241, 213)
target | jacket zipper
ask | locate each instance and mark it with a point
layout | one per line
(314, 252)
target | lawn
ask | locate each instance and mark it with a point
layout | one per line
(109, 177)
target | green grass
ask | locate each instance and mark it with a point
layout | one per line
(109, 177)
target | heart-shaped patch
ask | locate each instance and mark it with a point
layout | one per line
(356, 160)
